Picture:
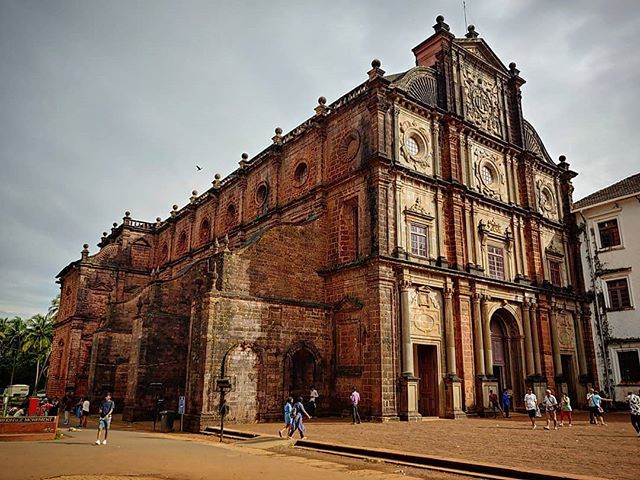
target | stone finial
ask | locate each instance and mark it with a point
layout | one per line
(226, 242)
(243, 161)
(127, 218)
(194, 196)
(114, 225)
(85, 251)
(174, 210)
(563, 162)
(375, 71)
(440, 25)
(277, 138)
(216, 180)
(216, 244)
(158, 221)
(562, 159)
(513, 70)
(321, 109)
(127, 214)
(471, 32)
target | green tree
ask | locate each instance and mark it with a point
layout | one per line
(14, 341)
(52, 313)
(37, 342)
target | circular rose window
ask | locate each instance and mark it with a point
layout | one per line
(486, 173)
(261, 193)
(412, 146)
(301, 173)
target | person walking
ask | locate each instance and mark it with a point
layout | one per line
(355, 401)
(550, 404)
(506, 403)
(288, 418)
(106, 411)
(634, 406)
(595, 405)
(298, 424)
(85, 412)
(531, 405)
(313, 396)
(495, 404)
(590, 407)
(67, 406)
(565, 409)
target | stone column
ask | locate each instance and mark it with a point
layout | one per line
(450, 339)
(478, 346)
(407, 346)
(555, 343)
(488, 351)
(528, 341)
(536, 339)
(582, 357)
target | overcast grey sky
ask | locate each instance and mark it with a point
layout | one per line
(107, 106)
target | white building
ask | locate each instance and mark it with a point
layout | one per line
(610, 223)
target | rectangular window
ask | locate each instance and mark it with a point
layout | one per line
(619, 297)
(496, 262)
(629, 363)
(609, 233)
(554, 273)
(418, 240)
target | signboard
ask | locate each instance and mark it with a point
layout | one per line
(181, 405)
(28, 428)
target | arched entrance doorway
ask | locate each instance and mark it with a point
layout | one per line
(301, 372)
(506, 353)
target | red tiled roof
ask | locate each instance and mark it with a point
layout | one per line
(628, 186)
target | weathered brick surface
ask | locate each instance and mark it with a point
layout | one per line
(286, 272)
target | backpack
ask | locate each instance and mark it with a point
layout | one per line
(294, 411)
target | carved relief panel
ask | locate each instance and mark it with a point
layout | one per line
(566, 333)
(489, 171)
(426, 313)
(481, 99)
(415, 143)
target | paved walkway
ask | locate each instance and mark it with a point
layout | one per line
(611, 451)
(133, 455)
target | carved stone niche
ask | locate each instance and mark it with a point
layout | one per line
(492, 229)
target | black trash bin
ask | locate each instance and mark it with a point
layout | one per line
(166, 420)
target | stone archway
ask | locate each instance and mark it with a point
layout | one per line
(302, 368)
(506, 353)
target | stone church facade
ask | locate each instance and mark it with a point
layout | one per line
(413, 239)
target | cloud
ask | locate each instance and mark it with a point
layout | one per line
(107, 106)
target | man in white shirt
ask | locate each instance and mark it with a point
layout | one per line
(313, 395)
(634, 405)
(531, 405)
(550, 405)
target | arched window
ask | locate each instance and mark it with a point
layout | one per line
(231, 215)
(182, 242)
(164, 253)
(205, 231)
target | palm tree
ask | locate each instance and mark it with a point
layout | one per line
(14, 341)
(38, 341)
(52, 313)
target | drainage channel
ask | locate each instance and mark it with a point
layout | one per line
(444, 465)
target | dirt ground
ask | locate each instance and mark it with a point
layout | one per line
(611, 451)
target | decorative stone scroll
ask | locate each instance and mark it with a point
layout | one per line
(425, 313)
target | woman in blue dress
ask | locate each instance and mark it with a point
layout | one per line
(298, 424)
(288, 418)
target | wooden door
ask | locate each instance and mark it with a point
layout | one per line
(428, 373)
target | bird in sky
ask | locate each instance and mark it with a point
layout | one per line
(198, 167)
